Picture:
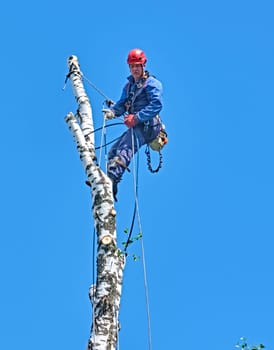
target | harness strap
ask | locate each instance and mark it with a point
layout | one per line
(131, 96)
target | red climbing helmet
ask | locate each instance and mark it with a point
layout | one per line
(136, 56)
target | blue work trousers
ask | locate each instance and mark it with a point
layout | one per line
(121, 152)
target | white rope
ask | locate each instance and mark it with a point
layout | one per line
(142, 242)
(103, 133)
(100, 92)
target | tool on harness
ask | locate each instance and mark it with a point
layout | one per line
(158, 143)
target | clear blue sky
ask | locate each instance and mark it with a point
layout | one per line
(207, 217)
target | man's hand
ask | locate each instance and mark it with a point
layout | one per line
(108, 114)
(130, 120)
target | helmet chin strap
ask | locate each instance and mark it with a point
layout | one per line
(145, 72)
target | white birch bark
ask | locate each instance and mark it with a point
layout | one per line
(84, 108)
(106, 296)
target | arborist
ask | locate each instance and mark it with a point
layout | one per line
(140, 104)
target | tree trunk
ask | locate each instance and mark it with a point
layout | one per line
(106, 295)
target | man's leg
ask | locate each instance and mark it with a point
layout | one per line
(120, 155)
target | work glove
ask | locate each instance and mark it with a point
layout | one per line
(108, 114)
(130, 120)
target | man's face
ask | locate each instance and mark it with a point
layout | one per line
(136, 70)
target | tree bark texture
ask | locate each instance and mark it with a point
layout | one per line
(106, 295)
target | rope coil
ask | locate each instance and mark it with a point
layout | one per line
(147, 152)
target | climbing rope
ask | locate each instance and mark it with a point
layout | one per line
(106, 126)
(136, 211)
(108, 101)
(107, 143)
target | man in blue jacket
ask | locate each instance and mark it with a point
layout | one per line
(140, 103)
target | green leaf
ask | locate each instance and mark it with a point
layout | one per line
(119, 253)
(127, 242)
(138, 236)
(135, 257)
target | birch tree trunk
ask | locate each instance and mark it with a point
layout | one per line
(106, 295)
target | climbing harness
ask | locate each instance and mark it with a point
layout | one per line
(131, 94)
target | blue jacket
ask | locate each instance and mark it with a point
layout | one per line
(144, 97)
